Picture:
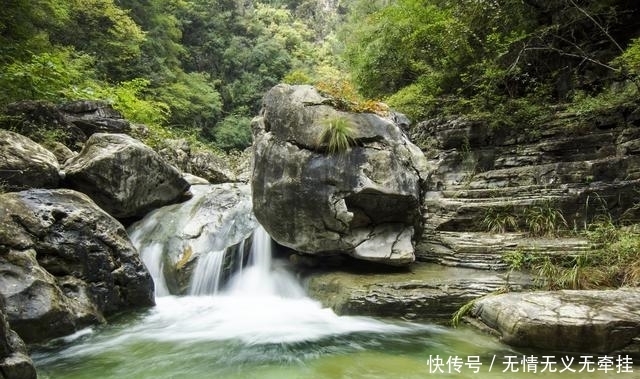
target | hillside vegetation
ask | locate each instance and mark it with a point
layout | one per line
(195, 67)
(509, 60)
(200, 67)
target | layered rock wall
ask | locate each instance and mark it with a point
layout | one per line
(581, 168)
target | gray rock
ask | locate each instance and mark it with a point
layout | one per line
(593, 322)
(123, 176)
(422, 292)
(65, 264)
(363, 202)
(94, 117)
(204, 164)
(61, 152)
(14, 358)
(478, 171)
(25, 164)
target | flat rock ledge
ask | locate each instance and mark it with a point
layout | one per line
(424, 291)
(593, 322)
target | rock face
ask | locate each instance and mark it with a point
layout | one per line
(172, 239)
(364, 202)
(425, 292)
(65, 264)
(14, 359)
(72, 123)
(581, 168)
(123, 176)
(200, 163)
(25, 164)
(94, 117)
(595, 322)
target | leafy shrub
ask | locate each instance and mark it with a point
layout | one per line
(337, 135)
(344, 96)
(233, 133)
(127, 97)
(54, 75)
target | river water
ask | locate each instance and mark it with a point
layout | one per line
(262, 325)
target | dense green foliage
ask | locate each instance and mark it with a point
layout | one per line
(508, 58)
(201, 66)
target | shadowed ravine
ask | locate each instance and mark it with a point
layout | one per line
(262, 325)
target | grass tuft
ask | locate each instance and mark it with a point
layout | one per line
(337, 135)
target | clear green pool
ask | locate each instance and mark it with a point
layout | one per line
(227, 337)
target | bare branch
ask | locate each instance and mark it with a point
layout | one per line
(584, 58)
(598, 25)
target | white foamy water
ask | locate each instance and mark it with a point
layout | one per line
(262, 304)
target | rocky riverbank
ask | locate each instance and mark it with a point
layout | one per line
(460, 205)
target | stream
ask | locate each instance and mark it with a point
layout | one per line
(262, 325)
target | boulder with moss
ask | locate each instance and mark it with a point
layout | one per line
(199, 162)
(65, 264)
(124, 176)
(363, 201)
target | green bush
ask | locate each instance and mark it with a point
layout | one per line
(55, 75)
(233, 133)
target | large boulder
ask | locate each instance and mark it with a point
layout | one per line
(14, 358)
(594, 322)
(172, 239)
(25, 164)
(124, 176)
(71, 123)
(65, 264)
(364, 202)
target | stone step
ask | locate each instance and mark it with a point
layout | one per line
(482, 250)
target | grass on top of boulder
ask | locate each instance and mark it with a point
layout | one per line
(337, 135)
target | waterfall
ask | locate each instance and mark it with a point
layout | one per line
(259, 277)
(184, 245)
(206, 277)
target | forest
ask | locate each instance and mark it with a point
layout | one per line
(200, 67)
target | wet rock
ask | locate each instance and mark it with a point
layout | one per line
(593, 322)
(123, 176)
(14, 358)
(172, 239)
(25, 164)
(363, 202)
(65, 264)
